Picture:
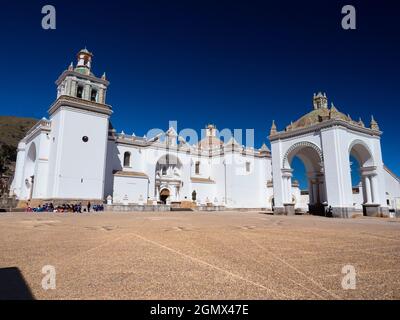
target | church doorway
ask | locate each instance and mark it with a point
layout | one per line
(164, 195)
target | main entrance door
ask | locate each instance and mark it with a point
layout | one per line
(164, 195)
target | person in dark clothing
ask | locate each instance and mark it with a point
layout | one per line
(88, 206)
(329, 212)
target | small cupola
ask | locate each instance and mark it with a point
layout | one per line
(211, 130)
(84, 61)
(320, 101)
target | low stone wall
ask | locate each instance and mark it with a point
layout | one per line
(136, 207)
(7, 203)
(266, 210)
(210, 208)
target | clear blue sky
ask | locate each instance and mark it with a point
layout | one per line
(238, 64)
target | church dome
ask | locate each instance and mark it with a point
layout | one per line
(319, 115)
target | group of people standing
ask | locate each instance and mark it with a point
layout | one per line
(76, 207)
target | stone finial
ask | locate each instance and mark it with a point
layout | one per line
(71, 67)
(290, 126)
(361, 123)
(333, 112)
(264, 148)
(374, 124)
(273, 128)
(103, 76)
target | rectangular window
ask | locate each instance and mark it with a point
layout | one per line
(79, 92)
(247, 166)
(197, 167)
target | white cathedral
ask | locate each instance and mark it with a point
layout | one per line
(77, 155)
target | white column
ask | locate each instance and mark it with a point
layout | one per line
(284, 197)
(100, 97)
(322, 192)
(310, 192)
(104, 96)
(315, 192)
(86, 92)
(73, 88)
(374, 189)
(367, 189)
(289, 190)
(68, 87)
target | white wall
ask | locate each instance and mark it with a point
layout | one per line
(79, 167)
(392, 187)
(130, 190)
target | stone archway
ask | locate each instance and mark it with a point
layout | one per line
(312, 157)
(323, 139)
(368, 174)
(291, 152)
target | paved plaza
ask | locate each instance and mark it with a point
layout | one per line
(194, 255)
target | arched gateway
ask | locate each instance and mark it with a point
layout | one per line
(323, 140)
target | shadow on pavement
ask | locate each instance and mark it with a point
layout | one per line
(13, 285)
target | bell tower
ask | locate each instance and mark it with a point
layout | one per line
(80, 120)
(80, 82)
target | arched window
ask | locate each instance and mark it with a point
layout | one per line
(93, 95)
(197, 167)
(79, 91)
(127, 159)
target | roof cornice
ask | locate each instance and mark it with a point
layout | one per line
(140, 143)
(322, 125)
(80, 75)
(395, 176)
(80, 104)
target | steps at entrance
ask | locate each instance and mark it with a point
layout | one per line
(181, 209)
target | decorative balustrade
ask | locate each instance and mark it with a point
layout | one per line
(42, 124)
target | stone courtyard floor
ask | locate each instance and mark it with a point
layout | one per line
(194, 255)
